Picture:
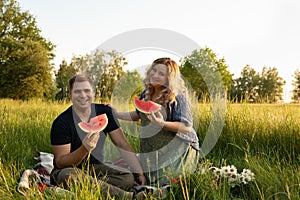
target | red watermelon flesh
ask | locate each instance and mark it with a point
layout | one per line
(96, 124)
(146, 106)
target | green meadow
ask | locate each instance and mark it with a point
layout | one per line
(264, 138)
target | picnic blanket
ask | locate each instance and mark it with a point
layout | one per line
(39, 177)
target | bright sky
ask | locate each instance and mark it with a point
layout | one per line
(255, 32)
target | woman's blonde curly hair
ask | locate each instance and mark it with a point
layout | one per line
(174, 85)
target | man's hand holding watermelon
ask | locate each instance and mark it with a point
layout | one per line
(90, 141)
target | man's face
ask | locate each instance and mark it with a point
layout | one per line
(82, 95)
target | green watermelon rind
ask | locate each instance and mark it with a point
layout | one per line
(154, 107)
(91, 127)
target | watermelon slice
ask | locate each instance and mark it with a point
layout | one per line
(146, 106)
(95, 125)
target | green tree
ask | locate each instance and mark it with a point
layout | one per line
(63, 75)
(130, 84)
(25, 69)
(206, 73)
(271, 85)
(255, 87)
(245, 88)
(296, 85)
(105, 68)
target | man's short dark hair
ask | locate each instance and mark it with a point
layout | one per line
(79, 78)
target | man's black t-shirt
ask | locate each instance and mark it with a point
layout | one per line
(65, 130)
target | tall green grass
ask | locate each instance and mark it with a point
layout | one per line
(263, 138)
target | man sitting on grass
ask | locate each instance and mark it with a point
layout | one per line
(77, 153)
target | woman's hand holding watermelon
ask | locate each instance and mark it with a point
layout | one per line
(156, 118)
(90, 141)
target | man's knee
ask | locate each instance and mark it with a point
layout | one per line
(128, 180)
(67, 177)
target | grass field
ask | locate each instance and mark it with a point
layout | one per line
(262, 138)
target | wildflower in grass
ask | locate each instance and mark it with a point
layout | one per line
(233, 169)
(231, 174)
(225, 171)
(248, 172)
(235, 179)
(216, 171)
(234, 176)
(245, 179)
(212, 169)
(247, 176)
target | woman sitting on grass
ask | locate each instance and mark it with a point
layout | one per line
(169, 145)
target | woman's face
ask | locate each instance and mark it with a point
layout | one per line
(158, 75)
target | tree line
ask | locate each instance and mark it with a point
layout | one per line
(27, 69)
